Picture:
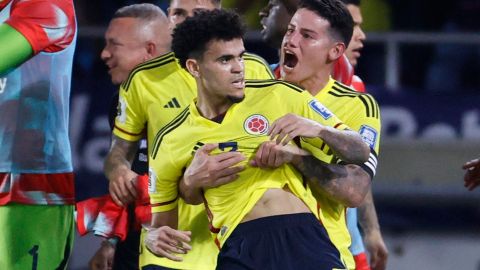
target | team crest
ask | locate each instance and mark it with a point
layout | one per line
(320, 109)
(369, 135)
(256, 124)
(152, 181)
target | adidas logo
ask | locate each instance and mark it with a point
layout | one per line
(172, 104)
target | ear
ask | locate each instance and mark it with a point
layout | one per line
(336, 51)
(151, 49)
(192, 67)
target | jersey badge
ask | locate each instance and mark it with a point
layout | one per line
(256, 124)
(320, 109)
(152, 181)
(369, 135)
(122, 110)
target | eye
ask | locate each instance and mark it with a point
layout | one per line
(305, 35)
(289, 31)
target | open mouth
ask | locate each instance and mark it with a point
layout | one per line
(240, 83)
(290, 60)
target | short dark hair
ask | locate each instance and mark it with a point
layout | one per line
(351, 2)
(190, 37)
(145, 11)
(335, 12)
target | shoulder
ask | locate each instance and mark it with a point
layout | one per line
(172, 128)
(255, 63)
(274, 85)
(364, 101)
(159, 67)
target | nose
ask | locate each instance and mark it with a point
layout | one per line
(105, 54)
(263, 12)
(361, 35)
(291, 39)
(238, 66)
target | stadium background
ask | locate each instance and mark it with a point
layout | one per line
(421, 61)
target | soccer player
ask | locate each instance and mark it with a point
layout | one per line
(272, 32)
(136, 33)
(263, 210)
(153, 94)
(472, 175)
(37, 43)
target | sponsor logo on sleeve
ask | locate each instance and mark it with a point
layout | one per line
(320, 109)
(152, 181)
(369, 135)
(256, 124)
(122, 110)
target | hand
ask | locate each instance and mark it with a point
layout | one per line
(103, 258)
(209, 171)
(472, 175)
(272, 155)
(122, 186)
(377, 249)
(290, 126)
(165, 242)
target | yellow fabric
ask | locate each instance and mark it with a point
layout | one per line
(228, 204)
(155, 92)
(356, 110)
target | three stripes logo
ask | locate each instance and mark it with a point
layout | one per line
(196, 147)
(172, 104)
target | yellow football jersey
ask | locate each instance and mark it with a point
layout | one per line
(155, 92)
(361, 113)
(243, 129)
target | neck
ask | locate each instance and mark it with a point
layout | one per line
(211, 106)
(317, 82)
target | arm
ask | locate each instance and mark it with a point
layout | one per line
(14, 48)
(117, 169)
(103, 258)
(209, 171)
(472, 175)
(346, 144)
(367, 217)
(346, 184)
(163, 239)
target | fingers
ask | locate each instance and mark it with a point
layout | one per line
(378, 261)
(207, 148)
(167, 242)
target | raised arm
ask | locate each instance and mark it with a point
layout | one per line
(14, 48)
(117, 169)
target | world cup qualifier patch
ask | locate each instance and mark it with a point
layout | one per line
(256, 124)
(152, 181)
(369, 135)
(320, 109)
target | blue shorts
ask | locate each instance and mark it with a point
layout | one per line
(295, 241)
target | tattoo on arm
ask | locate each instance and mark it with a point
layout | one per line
(121, 153)
(367, 215)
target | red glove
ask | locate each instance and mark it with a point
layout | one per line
(343, 70)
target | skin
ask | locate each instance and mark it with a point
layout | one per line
(358, 36)
(179, 10)
(472, 174)
(308, 39)
(274, 18)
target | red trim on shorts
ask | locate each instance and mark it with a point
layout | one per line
(49, 189)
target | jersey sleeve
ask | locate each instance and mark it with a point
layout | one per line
(131, 118)
(256, 68)
(47, 25)
(366, 121)
(163, 181)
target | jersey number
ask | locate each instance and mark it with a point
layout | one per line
(34, 253)
(225, 145)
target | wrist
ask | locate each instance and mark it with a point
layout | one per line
(110, 242)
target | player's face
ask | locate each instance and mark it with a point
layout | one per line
(274, 19)
(356, 43)
(179, 10)
(305, 47)
(221, 70)
(125, 47)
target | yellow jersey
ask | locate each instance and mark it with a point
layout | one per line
(361, 113)
(243, 129)
(154, 93)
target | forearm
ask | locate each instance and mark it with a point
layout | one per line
(189, 193)
(346, 184)
(367, 215)
(168, 218)
(347, 145)
(120, 156)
